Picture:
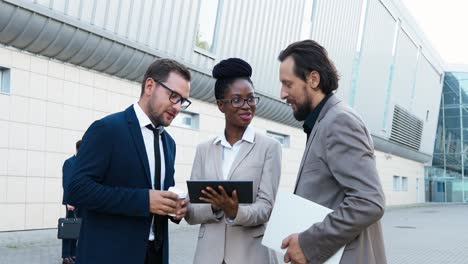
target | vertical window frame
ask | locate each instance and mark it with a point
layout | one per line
(404, 184)
(396, 183)
(5, 87)
(211, 52)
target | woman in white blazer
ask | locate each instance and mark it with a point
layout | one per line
(230, 232)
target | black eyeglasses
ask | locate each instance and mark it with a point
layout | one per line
(175, 97)
(239, 102)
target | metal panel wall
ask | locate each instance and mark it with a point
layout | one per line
(120, 37)
(246, 29)
(252, 30)
(43, 31)
(427, 100)
(403, 77)
(374, 67)
(335, 26)
(162, 25)
(405, 68)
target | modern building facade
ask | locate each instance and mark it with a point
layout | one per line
(447, 178)
(64, 64)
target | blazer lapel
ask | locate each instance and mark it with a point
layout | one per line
(137, 137)
(218, 161)
(244, 150)
(332, 101)
(306, 151)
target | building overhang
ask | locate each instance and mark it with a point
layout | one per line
(401, 151)
(38, 30)
(41, 31)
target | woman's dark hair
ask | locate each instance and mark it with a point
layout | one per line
(310, 56)
(226, 72)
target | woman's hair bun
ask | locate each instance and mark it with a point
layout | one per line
(232, 68)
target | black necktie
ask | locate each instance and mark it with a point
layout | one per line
(158, 223)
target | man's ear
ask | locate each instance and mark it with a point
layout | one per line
(313, 80)
(220, 105)
(149, 86)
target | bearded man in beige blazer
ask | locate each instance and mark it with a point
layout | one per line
(338, 168)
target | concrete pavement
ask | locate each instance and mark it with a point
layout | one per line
(429, 234)
(434, 233)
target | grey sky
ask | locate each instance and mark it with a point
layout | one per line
(445, 23)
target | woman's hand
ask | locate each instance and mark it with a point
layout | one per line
(222, 201)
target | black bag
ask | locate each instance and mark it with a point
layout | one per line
(69, 228)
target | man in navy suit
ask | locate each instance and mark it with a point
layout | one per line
(123, 169)
(69, 245)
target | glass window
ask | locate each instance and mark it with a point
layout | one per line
(440, 187)
(396, 183)
(451, 145)
(281, 138)
(452, 141)
(4, 80)
(452, 122)
(207, 24)
(451, 99)
(453, 159)
(438, 159)
(404, 184)
(187, 120)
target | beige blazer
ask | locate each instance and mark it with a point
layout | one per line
(240, 241)
(338, 171)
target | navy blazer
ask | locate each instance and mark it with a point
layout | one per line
(111, 182)
(67, 171)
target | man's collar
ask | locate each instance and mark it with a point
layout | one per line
(312, 117)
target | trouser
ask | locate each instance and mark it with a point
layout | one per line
(153, 255)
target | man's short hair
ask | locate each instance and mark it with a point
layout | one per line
(310, 56)
(160, 70)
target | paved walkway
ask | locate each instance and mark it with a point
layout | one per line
(43, 247)
(426, 234)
